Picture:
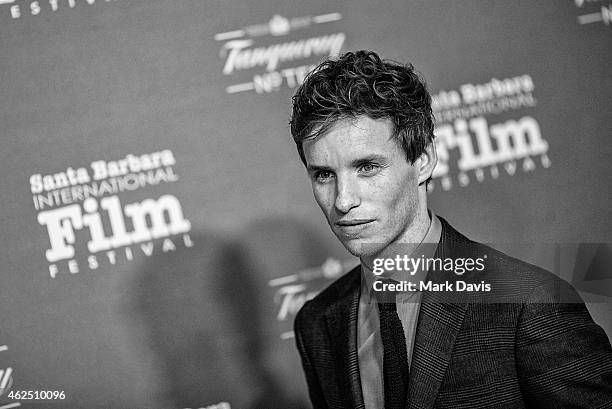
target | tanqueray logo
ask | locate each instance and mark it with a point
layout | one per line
(599, 12)
(6, 376)
(270, 62)
(292, 291)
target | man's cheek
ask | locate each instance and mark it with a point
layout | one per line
(323, 198)
(382, 192)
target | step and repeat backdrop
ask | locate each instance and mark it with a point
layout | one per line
(158, 228)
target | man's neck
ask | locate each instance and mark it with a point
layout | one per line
(405, 243)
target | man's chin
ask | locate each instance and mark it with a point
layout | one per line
(361, 247)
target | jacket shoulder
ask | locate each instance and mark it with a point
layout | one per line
(498, 261)
(314, 310)
(508, 275)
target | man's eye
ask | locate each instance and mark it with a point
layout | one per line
(323, 175)
(369, 168)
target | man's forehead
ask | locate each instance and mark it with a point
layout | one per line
(354, 136)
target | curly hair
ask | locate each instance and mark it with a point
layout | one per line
(361, 83)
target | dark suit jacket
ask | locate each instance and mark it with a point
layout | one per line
(537, 347)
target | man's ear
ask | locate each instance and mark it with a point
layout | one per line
(427, 162)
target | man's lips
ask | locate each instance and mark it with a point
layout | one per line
(353, 227)
(353, 222)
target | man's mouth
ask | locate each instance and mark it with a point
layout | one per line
(352, 227)
(353, 222)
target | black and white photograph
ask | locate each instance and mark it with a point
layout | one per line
(395, 204)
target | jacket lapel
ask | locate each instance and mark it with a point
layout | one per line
(342, 326)
(437, 330)
(438, 324)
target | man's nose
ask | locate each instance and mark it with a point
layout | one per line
(347, 195)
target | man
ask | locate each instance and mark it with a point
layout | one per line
(524, 339)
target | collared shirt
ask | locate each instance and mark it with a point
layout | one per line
(369, 341)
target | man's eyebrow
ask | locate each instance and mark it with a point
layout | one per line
(354, 163)
(316, 168)
(367, 159)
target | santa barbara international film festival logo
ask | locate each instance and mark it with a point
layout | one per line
(19, 9)
(82, 208)
(486, 150)
(261, 58)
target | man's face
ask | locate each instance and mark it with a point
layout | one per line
(362, 181)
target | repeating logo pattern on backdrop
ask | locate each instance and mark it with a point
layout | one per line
(486, 150)
(260, 58)
(84, 204)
